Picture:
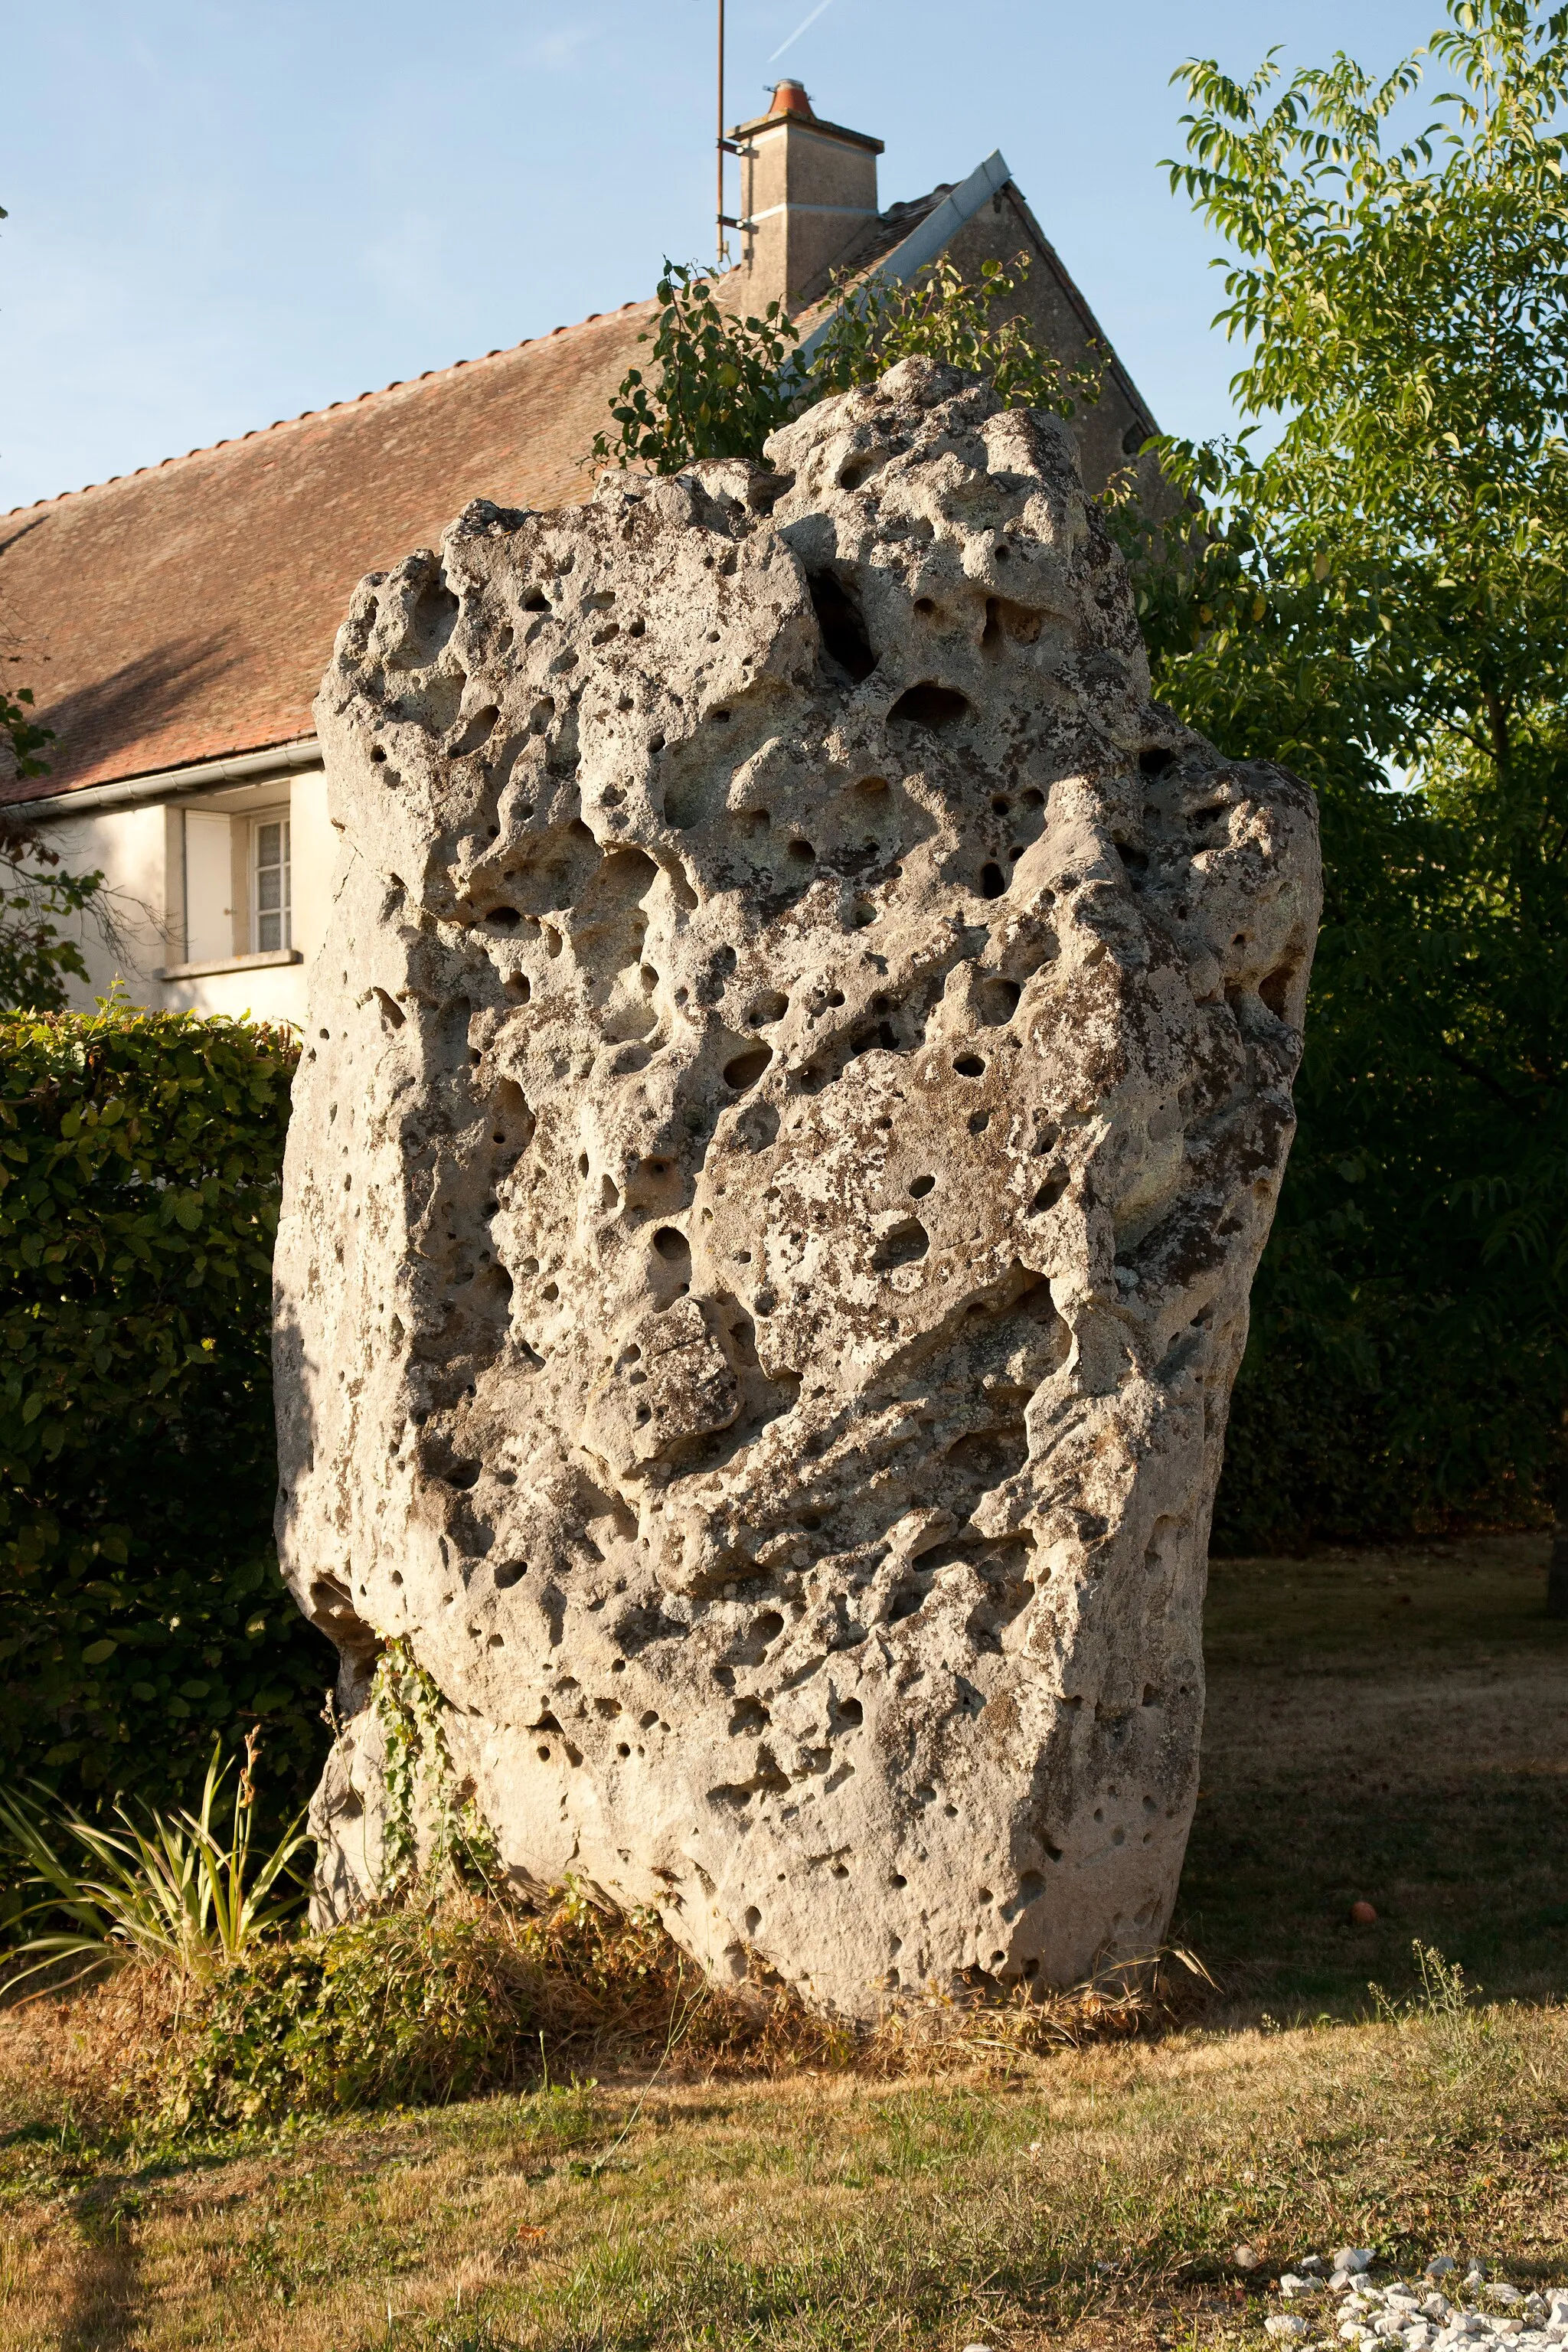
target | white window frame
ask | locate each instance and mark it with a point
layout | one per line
(283, 912)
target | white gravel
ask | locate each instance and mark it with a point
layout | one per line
(1450, 2308)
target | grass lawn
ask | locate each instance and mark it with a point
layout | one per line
(1387, 1727)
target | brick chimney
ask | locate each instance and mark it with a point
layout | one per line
(807, 189)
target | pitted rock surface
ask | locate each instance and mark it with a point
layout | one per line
(798, 1085)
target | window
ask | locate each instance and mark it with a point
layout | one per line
(270, 883)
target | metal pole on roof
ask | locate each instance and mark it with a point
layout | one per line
(723, 248)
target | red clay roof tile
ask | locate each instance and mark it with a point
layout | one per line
(186, 612)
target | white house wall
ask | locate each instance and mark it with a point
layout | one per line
(176, 902)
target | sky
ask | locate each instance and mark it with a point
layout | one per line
(221, 215)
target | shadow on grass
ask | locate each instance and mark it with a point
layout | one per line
(1386, 1728)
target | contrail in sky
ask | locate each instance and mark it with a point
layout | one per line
(800, 28)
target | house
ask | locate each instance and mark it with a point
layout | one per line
(175, 623)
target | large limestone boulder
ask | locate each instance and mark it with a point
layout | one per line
(798, 1085)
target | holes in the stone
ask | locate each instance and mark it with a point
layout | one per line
(392, 1013)
(750, 1719)
(908, 1241)
(767, 1627)
(844, 637)
(609, 1193)
(1134, 860)
(672, 1246)
(1005, 621)
(519, 985)
(874, 791)
(511, 1572)
(582, 1163)
(803, 853)
(745, 1069)
(501, 919)
(929, 705)
(1276, 989)
(765, 1009)
(996, 1000)
(379, 755)
(478, 731)
(536, 603)
(434, 616)
(991, 1455)
(757, 1126)
(753, 1919)
(1155, 760)
(922, 1186)
(926, 605)
(969, 1066)
(850, 1711)
(861, 466)
(979, 1120)
(1049, 1193)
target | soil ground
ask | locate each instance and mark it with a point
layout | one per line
(1391, 1728)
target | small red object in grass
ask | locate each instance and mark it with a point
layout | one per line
(1363, 1914)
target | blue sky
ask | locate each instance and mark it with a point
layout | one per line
(221, 215)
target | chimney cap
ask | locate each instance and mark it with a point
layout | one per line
(790, 103)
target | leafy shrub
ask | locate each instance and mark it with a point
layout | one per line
(941, 315)
(140, 1608)
(722, 383)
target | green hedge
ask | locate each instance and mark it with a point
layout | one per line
(141, 1607)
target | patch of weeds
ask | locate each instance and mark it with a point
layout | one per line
(406, 2005)
(413, 2005)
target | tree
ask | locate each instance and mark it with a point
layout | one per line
(1370, 585)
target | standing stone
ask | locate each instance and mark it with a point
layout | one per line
(796, 1086)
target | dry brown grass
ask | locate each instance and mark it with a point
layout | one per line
(571, 1993)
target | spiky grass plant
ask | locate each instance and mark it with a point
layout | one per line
(169, 1888)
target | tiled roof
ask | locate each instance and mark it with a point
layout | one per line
(188, 611)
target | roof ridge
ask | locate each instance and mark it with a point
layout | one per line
(355, 400)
